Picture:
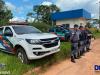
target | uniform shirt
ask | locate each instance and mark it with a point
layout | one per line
(82, 35)
(74, 37)
(88, 34)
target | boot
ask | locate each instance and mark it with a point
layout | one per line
(78, 56)
(88, 49)
(72, 59)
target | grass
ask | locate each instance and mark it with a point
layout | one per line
(12, 64)
(17, 68)
(96, 32)
(97, 35)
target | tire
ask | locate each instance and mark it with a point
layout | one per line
(21, 54)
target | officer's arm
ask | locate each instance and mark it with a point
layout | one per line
(71, 36)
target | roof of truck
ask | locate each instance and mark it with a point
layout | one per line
(13, 25)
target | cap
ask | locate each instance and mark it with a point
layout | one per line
(75, 26)
(80, 27)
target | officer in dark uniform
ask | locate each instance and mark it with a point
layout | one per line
(82, 37)
(74, 38)
(88, 38)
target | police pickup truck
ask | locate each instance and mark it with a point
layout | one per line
(27, 42)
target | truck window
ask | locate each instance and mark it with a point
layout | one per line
(58, 30)
(7, 30)
(1, 31)
(25, 29)
(51, 30)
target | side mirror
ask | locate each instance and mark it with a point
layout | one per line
(8, 34)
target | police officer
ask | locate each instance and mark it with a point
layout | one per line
(81, 41)
(88, 38)
(74, 38)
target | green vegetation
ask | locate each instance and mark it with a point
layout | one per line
(97, 35)
(96, 32)
(42, 26)
(12, 64)
(17, 68)
(5, 13)
(42, 13)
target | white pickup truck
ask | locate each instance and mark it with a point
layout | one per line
(27, 42)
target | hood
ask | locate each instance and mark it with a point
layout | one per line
(37, 36)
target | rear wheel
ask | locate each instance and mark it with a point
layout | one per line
(21, 54)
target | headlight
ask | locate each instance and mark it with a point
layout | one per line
(33, 41)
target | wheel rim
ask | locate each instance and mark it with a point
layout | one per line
(21, 57)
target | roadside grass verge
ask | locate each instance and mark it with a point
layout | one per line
(97, 35)
(95, 32)
(12, 64)
(17, 68)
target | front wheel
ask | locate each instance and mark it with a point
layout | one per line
(21, 54)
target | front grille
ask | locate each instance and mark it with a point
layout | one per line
(49, 39)
(50, 45)
(51, 42)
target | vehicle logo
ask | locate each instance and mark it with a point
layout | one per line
(52, 41)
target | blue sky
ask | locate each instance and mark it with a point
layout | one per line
(21, 7)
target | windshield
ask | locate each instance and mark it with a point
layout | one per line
(25, 29)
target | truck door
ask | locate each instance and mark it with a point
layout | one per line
(8, 34)
(1, 39)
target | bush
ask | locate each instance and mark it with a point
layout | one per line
(95, 32)
(42, 26)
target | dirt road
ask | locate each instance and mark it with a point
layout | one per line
(83, 66)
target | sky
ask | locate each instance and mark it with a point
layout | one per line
(21, 7)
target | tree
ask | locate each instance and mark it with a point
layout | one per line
(44, 12)
(1, 4)
(89, 25)
(30, 14)
(5, 14)
(54, 8)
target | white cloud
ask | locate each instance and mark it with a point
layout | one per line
(89, 5)
(10, 6)
(30, 20)
(21, 19)
(18, 19)
(46, 3)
